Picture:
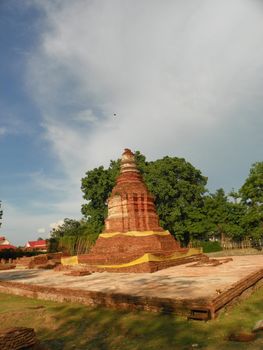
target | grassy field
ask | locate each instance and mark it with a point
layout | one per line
(72, 326)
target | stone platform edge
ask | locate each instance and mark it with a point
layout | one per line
(200, 308)
(119, 301)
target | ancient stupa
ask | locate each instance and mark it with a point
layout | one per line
(133, 240)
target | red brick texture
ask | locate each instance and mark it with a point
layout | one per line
(150, 266)
(131, 206)
(42, 261)
(17, 338)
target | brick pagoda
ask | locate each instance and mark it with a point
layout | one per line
(133, 240)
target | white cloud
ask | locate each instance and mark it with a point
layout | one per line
(181, 76)
(43, 181)
(20, 225)
(41, 230)
(2, 131)
(86, 115)
(55, 225)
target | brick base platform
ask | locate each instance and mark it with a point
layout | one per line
(149, 266)
(196, 291)
(136, 251)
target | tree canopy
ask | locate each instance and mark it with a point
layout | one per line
(222, 216)
(96, 187)
(251, 194)
(252, 191)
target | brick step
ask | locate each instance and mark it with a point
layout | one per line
(201, 315)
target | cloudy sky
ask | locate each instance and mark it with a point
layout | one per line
(185, 79)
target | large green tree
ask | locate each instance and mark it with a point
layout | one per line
(177, 185)
(251, 194)
(69, 227)
(252, 223)
(97, 186)
(222, 216)
(179, 190)
(252, 191)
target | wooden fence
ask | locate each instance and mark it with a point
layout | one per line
(246, 244)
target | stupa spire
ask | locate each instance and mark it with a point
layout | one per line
(131, 206)
(128, 162)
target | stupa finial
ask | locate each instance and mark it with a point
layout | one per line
(128, 162)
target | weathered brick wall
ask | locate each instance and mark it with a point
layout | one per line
(24, 262)
(151, 266)
(117, 301)
(42, 260)
(121, 245)
(56, 256)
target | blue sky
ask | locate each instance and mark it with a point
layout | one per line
(185, 79)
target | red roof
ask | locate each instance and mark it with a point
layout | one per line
(35, 244)
(7, 246)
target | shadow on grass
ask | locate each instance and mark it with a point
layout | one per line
(79, 327)
(102, 329)
(71, 326)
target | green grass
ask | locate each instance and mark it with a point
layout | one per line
(73, 326)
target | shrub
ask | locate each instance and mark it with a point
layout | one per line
(209, 247)
(17, 253)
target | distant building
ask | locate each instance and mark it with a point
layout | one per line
(40, 245)
(3, 241)
(5, 244)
